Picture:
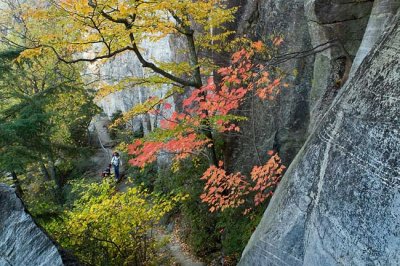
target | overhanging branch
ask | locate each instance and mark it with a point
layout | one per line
(93, 59)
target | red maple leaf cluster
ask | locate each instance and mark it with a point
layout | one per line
(212, 104)
(223, 190)
(210, 108)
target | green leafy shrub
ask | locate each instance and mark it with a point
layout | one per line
(110, 228)
(196, 223)
(225, 233)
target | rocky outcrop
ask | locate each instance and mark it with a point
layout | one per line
(22, 242)
(381, 15)
(336, 28)
(100, 136)
(338, 203)
(125, 66)
(321, 39)
(323, 36)
(280, 124)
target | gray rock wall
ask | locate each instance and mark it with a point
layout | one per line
(337, 27)
(339, 201)
(280, 124)
(124, 66)
(343, 182)
(22, 242)
(324, 37)
(381, 15)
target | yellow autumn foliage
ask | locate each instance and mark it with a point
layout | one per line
(107, 227)
(77, 25)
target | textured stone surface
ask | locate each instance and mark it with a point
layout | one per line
(315, 79)
(337, 27)
(22, 242)
(281, 124)
(332, 31)
(381, 15)
(99, 125)
(124, 66)
(339, 202)
(334, 205)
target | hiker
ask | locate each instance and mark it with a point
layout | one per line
(107, 171)
(116, 162)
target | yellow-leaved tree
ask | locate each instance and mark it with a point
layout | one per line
(110, 228)
(118, 26)
(97, 30)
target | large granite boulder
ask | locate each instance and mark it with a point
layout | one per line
(22, 242)
(339, 202)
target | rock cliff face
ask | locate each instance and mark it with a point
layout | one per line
(281, 124)
(322, 38)
(339, 201)
(381, 14)
(337, 28)
(22, 242)
(125, 66)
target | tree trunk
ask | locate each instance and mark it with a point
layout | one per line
(44, 171)
(18, 188)
(57, 180)
(212, 154)
(53, 174)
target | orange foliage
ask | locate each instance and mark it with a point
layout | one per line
(266, 177)
(210, 107)
(223, 190)
(182, 145)
(207, 102)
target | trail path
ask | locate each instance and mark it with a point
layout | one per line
(102, 158)
(182, 258)
(179, 255)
